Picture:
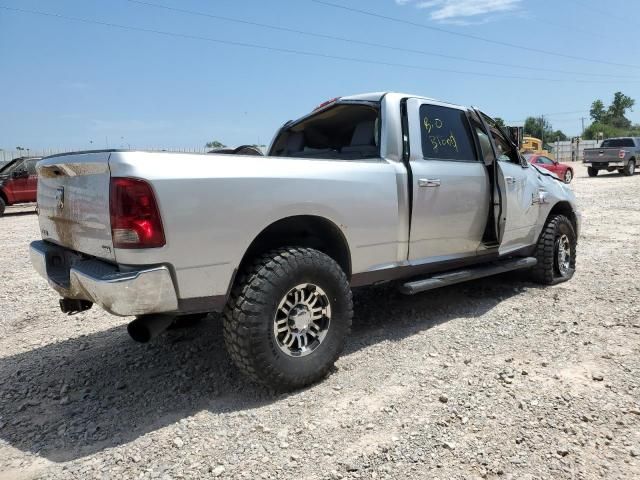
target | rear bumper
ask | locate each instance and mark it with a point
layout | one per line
(604, 164)
(138, 291)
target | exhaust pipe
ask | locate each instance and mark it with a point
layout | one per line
(146, 327)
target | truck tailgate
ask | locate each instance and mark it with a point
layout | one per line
(601, 155)
(73, 202)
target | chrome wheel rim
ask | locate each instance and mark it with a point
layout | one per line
(563, 255)
(567, 176)
(302, 320)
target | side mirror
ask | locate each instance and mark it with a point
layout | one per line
(516, 134)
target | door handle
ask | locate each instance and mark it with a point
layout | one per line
(429, 182)
(510, 179)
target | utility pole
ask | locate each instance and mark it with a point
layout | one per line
(582, 120)
(542, 130)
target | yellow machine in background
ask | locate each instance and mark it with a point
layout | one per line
(534, 145)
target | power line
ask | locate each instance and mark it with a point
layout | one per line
(362, 42)
(298, 52)
(545, 115)
(584, 31)
(469, 35)
(602, 11)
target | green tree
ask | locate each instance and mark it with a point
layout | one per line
(500, 122)
(598, 113)
(609, 131)
(540, 127)
(611, 121)
(215, 144)
(621, 103)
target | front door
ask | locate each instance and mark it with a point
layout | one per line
(519, 192)
(16, 184)
(450, 185)
(31, 187)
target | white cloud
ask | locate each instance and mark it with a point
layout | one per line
(456, 11)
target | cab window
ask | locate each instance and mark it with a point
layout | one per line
(30, 166)
(446, 134)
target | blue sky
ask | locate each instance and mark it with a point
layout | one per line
(66, 83)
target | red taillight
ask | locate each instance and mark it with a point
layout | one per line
(327, 103)
(135, 219)
(622, 153)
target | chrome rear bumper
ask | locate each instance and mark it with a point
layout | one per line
(604, 163)
(121, 291)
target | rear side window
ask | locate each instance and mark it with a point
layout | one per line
(30, 165)
(342, 132)
(618, 142)
(445, 134)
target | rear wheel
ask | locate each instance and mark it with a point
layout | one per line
(593, 172)
(288, 317)
(555, 252)
(568, 176)
(630, 168)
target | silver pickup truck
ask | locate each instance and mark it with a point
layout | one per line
(621, 154)
(365, 189)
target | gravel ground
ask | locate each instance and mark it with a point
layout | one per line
(497, 378)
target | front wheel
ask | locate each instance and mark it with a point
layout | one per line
(568, 176)
(629, 169)
(288, 317)
(555, 252)
(593, 172)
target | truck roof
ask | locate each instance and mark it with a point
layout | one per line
(621, 138)
(377, 96)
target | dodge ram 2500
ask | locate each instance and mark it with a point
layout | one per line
(365, 189)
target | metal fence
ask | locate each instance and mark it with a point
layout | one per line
(571, 151)
(8, 155)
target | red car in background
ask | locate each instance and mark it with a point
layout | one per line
(565, 172)
(18, 182)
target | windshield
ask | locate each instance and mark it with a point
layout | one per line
(9, 167)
